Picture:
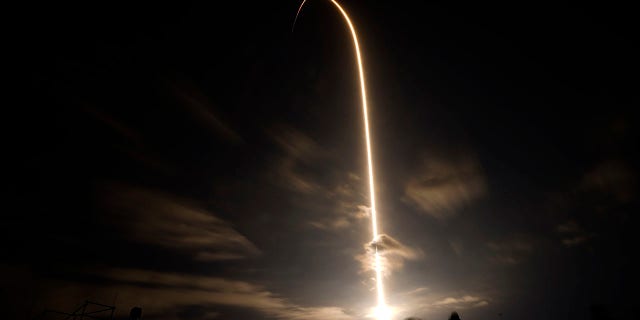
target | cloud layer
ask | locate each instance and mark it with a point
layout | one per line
(426, 304)
(317, 180)
(393, 254)
(160, 219)
(442, 186)
(164, 294)
(510, 250)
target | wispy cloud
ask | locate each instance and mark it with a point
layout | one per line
(460, 300)
(314, 175)
(393, 254)
(157, 218)
(511, 250)
(569, 227)
(164, 294)
(425, 303)
(611, 178)
(572, 234)
(574, 241)
(132, 142)
(291, 178)
(442, 185)
(294, 170)
(297, 144)
(605, 188)
(340, 216)
(201, 108)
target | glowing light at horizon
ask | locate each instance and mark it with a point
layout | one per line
(382, 311)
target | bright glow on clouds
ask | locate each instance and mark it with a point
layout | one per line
(392, 253)
(452, 300)
(304, 167)
(161, 219)
(424, 303)
(162, 294)
(202, 110)
(442, 186)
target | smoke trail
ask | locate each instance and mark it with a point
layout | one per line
(382, 312)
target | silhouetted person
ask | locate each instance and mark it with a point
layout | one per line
(135, 314)
(454, 316)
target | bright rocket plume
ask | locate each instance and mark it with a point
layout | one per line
(381, 311)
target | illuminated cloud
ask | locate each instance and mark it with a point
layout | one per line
(290, 177)
(318, 184)
(296, 144)
(199, 105)
(428, 304)
(300, 154)
(461, 300)
(163, 294)
(158, 218)
(345, 214)
(386, 245)
(442, 186)
(482, 303)
(392, 253)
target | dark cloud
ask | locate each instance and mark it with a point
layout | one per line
(568, 227)
(606, 187)
(574, 241)
(613, 178)
(510, 250)
(572, 234)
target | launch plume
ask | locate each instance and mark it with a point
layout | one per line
(381, 311)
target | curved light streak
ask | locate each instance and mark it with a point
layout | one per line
(381, 312)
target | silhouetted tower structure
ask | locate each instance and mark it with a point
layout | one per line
(86, 311)
(454, 316)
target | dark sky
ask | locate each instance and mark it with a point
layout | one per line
(202, 161)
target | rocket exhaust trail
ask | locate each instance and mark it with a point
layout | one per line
(381, 310)
(297, 14)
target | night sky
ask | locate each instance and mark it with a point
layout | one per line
(201, 161)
